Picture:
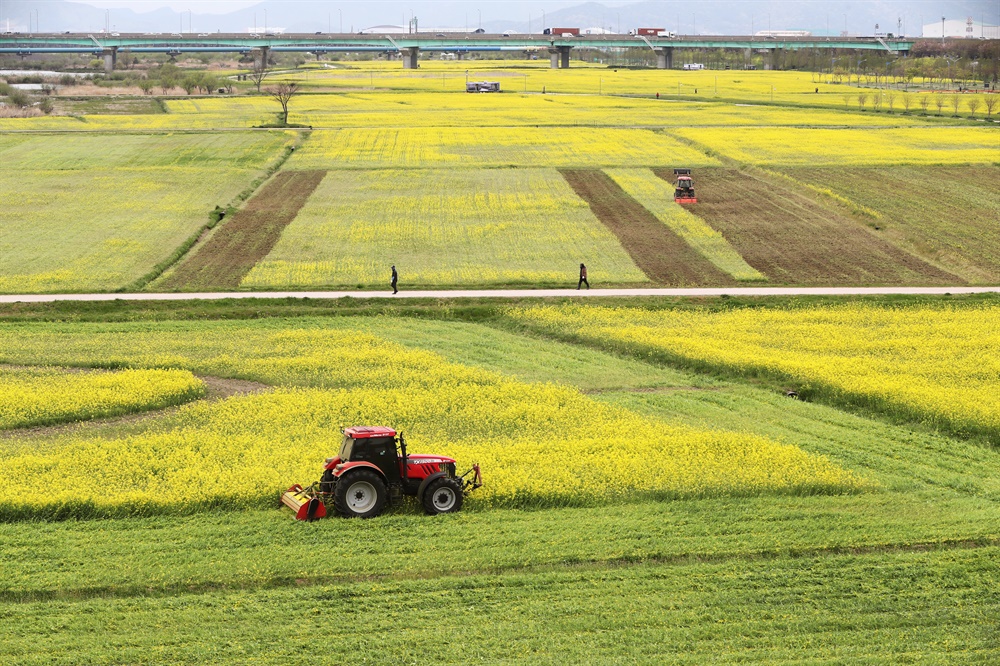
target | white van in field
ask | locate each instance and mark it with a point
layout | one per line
(694, 65)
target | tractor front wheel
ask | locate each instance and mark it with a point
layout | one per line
(443, 495)
(360, 494)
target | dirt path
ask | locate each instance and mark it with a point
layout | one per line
(597, 292)
(658, 252)
(216, 388)
(794, 240)
(223, 261)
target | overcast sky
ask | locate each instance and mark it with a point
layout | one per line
(201, 7)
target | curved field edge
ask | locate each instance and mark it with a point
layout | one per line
(968, 416)
(41, 396)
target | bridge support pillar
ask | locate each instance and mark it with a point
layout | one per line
(777, 58)
(260, 57)
(410, 56)
(110, 58)
(559, 56)
(665, 58)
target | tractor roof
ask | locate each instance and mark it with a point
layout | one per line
(364, 432)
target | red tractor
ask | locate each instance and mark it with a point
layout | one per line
(371, 472)
(684, 190)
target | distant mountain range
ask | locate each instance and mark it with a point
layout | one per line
(705, 17)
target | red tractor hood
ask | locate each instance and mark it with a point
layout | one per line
(423, 459)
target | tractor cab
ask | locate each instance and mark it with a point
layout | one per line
(684, 189)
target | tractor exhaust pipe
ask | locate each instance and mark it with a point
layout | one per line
(402, 453)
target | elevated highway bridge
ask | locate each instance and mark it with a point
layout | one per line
(409, 46)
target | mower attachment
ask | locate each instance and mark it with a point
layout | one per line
(305, 502)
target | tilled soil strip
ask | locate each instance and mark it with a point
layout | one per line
(237, 246)
(794, 240)
(658, 252)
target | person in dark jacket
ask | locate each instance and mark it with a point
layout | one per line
(394, 280)
(583, 278)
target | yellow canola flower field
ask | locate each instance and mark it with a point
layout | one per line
(492, 147)
(537, 443)
(657, 196)
(935, 365)
(40, 396)
(857, 147)
(381, 109)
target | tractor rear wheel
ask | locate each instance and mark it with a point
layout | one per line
(360, 494)
(443, 495)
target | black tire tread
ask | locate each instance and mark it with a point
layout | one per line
(344, 484)
(433, 486)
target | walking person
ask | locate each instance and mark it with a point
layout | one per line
(583, 278)
(394, 280)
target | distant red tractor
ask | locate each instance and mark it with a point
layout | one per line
(684, 190)
(373, 471)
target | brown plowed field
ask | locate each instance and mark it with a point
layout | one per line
(793, 239)
(660, 253)
(246, 238)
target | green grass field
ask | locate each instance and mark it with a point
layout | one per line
(439, 227)
(903, 572)
(97, 212)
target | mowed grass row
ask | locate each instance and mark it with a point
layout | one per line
(443, 227)
(97, 212)
(923, 606)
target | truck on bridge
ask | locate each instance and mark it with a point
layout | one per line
(562, 32)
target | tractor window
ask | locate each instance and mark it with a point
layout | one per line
(345, 449)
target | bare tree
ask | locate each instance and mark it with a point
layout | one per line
(282, 93)
(973, 104)
(956, 100)
(939, 102)
(925, 101)
(907, 102)
(991, 104)
(890, 98)
(847, 100)
(862, 100)
(259, 71)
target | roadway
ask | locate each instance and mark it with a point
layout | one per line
(511, 293)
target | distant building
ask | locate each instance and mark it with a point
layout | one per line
(385, 30)
(782, 33)
(966, 28)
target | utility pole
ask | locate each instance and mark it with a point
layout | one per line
(942, 31)
(341, 11)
